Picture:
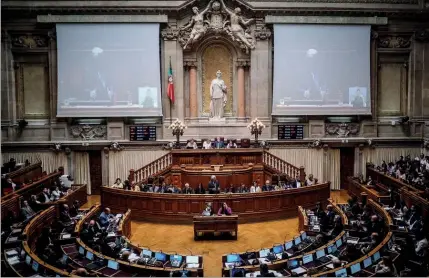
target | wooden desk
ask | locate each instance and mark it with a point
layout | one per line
(355, 188)
(213, 224)
(172, 208)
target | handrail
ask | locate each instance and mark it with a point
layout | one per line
(32, 226)
(150, 169)
(94, 209)
(282, 166)
(24, 170)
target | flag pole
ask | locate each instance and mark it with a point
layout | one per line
(171, 104)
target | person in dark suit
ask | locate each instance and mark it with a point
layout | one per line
(338, 227)
(74, 210)
(296, 183)
(330, 214)
(264, 272)
(267, 186)
(187, 189)
(218, 144)
(242, 189)
(200, 189)
(213, 185)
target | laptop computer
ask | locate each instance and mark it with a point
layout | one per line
(321, 257)
(341, 273)
(111, 268)
(176, 260)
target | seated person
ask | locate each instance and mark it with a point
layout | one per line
(104, 218)
(11, 184)
(385, 268)
(267, 186)
(242, 189)
(192, 144)
(45, 197)
(218, 144)
(365, 217)
(338, 227)
(264, 272)
(224, 210)
(208, 211)
(200, 189)
(296, 183)
(330, 214)
(118, 184)
(127, 185)
(369, 243)
(231, 145)
(318, 242)
(230, 189)
(66, 181)
(187, 189)
(93, 231)
(55, 194)
(136, 187)
(34, 203)
(44, 241)
(318, 211)
(309, 181)
(207, 145)
(65, 217)
(74, 210)
(26, 211)
(375, 225)
(213, 185)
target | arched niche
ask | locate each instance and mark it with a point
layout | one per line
(214, 53)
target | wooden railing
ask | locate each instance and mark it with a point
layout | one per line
(24, 174)
(125, 225)
(283, 167)
(151, 169)
(32, 232)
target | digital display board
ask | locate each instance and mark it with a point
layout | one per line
(287, 132)
(142, 133)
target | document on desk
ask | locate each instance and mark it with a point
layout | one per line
(193, 265)
(263, 261)
(11, 252)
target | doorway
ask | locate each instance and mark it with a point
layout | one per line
(95, 171)
(347, 160)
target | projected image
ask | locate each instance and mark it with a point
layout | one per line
(321, 70)
(108, 70)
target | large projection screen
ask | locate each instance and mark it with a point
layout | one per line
(321, 70)
(108, 70)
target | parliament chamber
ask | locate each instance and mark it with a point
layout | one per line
(217, 138)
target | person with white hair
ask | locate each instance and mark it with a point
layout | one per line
(213, 185)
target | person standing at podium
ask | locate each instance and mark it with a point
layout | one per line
(213, 185)
(224, 210)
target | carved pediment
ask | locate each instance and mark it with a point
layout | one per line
(89, 132)
(394, 41)
(29, 41)
(218, 19)
(342, 130)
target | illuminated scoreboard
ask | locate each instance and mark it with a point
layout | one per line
(287, 132)
(142, 133)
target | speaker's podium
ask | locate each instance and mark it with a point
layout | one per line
(225, 226)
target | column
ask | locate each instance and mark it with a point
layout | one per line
(241, 95)
(193, 102)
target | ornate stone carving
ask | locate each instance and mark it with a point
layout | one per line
(29, 41)
(243, 63)
(374, 35)
(89, 132)
(214, 19)
(115, 146)
(189, 64)
(422, 35)
(169, 33)
(315, 144)
(394, 42)
(342, 130)
(262, 33)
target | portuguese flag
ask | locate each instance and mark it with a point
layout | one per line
(170, 87)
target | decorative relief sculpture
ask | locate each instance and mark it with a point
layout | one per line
(89, 132)
(422, 35)
(394, 42)
(214, 19)
(29, 41)
(342, 130)
(169, 33)
(263, 33)
(218, 96)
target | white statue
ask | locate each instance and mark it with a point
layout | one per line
(218, 96)
(236, 30)
(197, 24)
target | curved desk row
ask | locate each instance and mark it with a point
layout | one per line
(134, 268)
(182, 207)
(388, 223)
(11, 202)
(24, 174)
(281, 263)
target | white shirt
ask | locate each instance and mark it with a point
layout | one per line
(55, 195)
(192, 145)
(258, 189)
(298, 184)
(207, 145)
(229, 146)
(252, 189)
(65, 181)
